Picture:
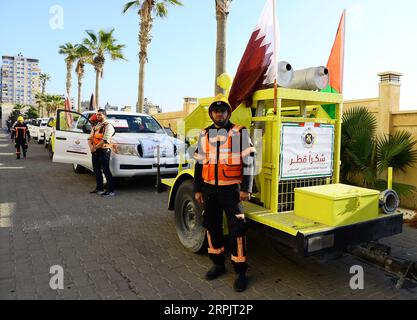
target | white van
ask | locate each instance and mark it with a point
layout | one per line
(134, 145)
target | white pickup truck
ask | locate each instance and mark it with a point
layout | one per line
(134, 145)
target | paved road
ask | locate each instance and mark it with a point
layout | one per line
(126, 247)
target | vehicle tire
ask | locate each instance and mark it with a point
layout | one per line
(50, 152)
(189, 219)
(39, 141)
(77, 168)
(44, 142)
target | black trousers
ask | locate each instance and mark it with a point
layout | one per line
(101, 164)
(20, 143)
(217, 200)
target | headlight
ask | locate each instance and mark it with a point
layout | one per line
(125, 149)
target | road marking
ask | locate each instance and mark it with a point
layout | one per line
(6, 154)
(11, 168)
(7, 209)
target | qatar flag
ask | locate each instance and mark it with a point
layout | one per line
(259, 62)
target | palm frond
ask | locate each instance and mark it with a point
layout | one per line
(396, 151)
(93, 37)
(161, 10)
(174, 2)
(130, 5)
(403, 190)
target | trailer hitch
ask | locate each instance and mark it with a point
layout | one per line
(380, 255)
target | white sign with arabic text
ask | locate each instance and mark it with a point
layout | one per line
(306, 150)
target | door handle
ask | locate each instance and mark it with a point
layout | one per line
(60, 138)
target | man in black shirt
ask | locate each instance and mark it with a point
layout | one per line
(223, 179)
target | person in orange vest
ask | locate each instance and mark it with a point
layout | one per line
(223, 179)
(100, 147)
(21, 136)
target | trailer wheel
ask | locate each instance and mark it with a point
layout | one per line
(189, 219)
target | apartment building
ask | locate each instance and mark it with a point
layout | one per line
(19, 80)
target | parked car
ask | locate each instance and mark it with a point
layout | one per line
(32, 128)
(41, 130)
(36, 128)
(134, 144)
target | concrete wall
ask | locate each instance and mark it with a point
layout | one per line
(171, 119)
(6, 110)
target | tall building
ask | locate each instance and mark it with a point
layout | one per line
(19, 80)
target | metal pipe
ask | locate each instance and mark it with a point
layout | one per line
(285, 74)
(310, 79)
(379, 255)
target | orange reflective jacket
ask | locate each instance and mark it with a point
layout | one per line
(98, 137)
(223, 161)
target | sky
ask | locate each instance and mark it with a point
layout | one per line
(381, 35)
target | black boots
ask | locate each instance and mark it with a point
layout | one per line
(215, 272)
(240, 282)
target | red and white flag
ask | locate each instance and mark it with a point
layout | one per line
(259, 64)
(68, 109)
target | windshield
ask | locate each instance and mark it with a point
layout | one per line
(135, 124)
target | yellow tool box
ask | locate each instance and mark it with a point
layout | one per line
(336, 204)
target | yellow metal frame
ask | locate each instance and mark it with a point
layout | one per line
(292, 106)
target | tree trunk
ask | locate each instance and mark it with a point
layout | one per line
(220, 48)
(97, 106)
(79, 96)
(145, 27)
(69, 70)
(139, 107)
(40, 103)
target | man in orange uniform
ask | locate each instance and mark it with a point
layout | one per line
(223, 179)
(100, 147)
(21, 136)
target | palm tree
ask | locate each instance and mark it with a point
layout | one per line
(83, 57)
(53, 102)
(19, 106)
(146, 10)
(99, 45)
(70, 51)
(43, 77)
(366, 156)
(222, 11)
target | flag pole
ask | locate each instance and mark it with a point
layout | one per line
(275, 57)
(275, 96)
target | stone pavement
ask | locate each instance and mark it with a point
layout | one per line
(126, 247)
